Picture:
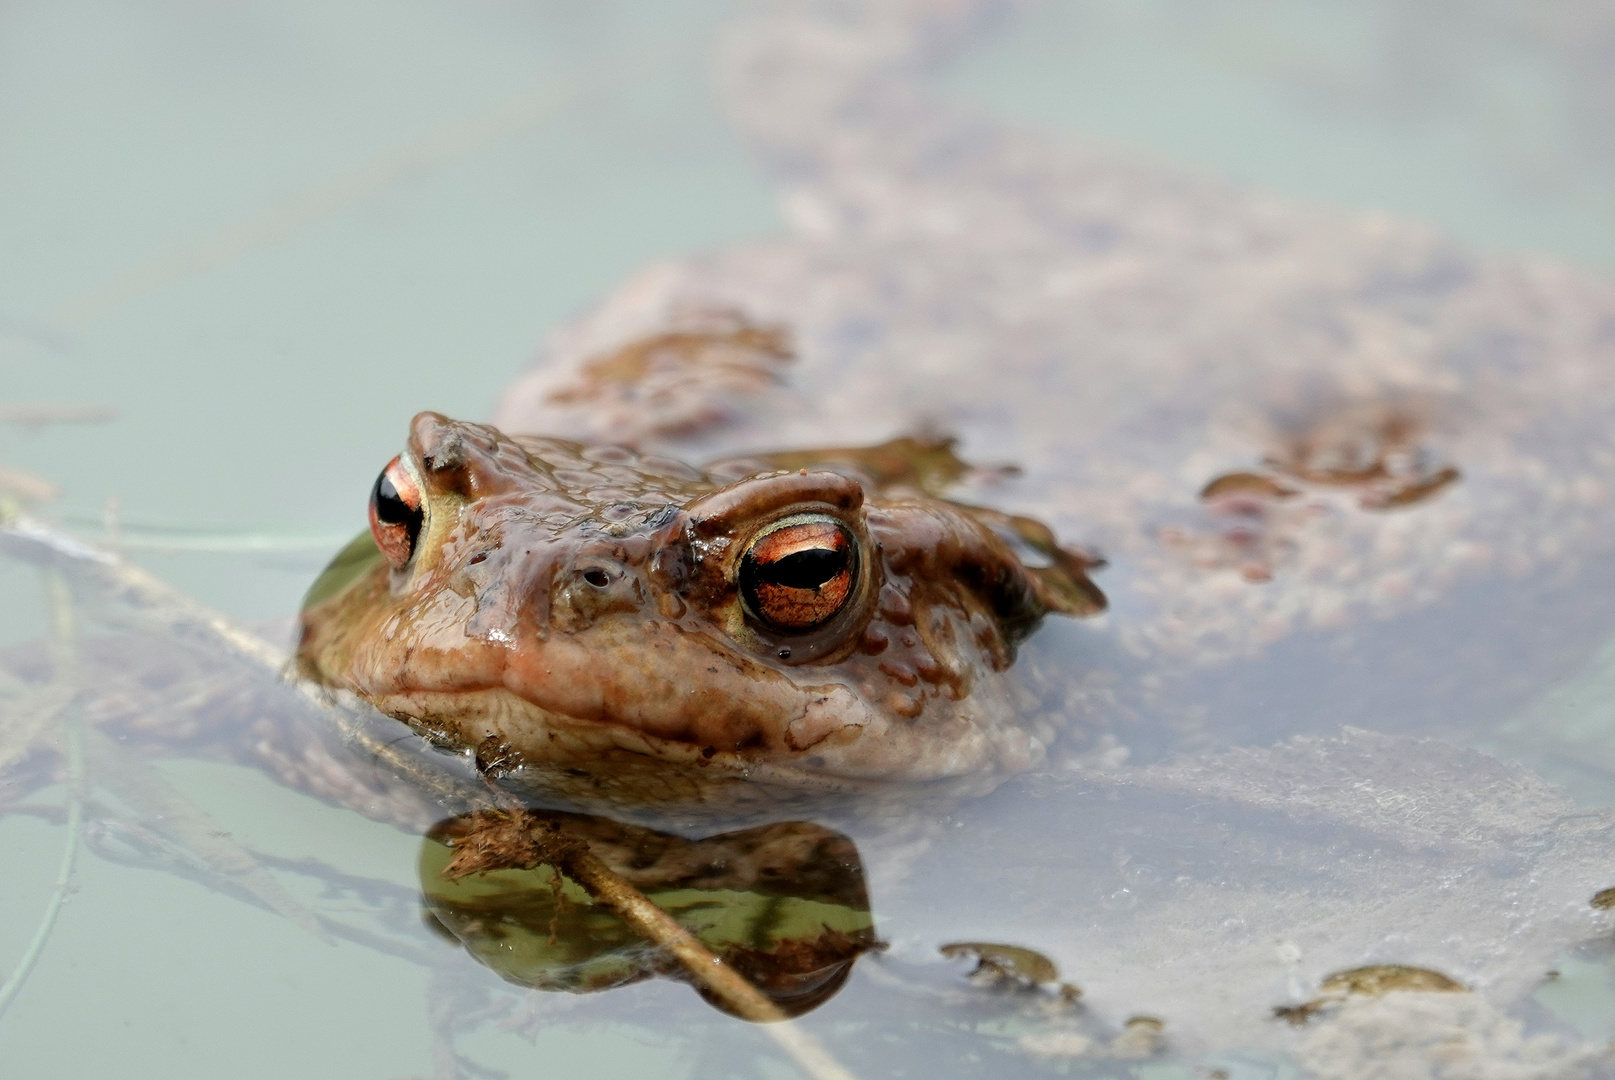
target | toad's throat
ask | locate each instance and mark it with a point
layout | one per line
(830, 745)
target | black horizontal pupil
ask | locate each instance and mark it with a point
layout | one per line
(806, 569)
(391, 509)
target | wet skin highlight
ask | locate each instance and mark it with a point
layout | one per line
(626, 625)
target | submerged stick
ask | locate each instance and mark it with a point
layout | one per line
(64, 653)
(165, 608)
(511, 838)
(708, 970)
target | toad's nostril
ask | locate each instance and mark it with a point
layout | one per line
(598, 578)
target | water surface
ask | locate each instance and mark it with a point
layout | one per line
(267, 236)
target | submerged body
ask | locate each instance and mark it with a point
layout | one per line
(628, 626)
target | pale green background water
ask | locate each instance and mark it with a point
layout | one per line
(269, 233)
(1493, 120)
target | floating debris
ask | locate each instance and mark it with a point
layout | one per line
(1370, 981)
(1382, 978)
(1245, 483)
(1011, 967)
(998, 964)
(1141, 1037)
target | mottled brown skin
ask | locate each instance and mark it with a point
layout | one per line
(575, 612)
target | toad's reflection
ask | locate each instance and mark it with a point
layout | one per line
(784, 904)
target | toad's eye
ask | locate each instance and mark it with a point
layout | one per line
(395, 513)
(799, 574)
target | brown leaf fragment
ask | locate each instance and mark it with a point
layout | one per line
(1245, 483)
(495, 758)
(1383, 978)
(1004, 963)
(1411, 493)
(1297, 1015)
(507, 840)
(1370, 981)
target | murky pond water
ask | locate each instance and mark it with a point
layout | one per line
(1350, 702)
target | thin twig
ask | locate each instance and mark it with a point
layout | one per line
(513, 838)
(65, 655)
(167, 609)
(174, 819)
(658, 927)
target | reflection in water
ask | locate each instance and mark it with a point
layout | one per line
(1125, 333)
(784, 904)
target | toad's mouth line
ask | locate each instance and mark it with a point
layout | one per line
(524, 734)
(540, 737)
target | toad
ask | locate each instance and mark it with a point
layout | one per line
(620, 624)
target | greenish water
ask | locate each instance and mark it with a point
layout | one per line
(269, 234)
(266, 234)
(1491, 120)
